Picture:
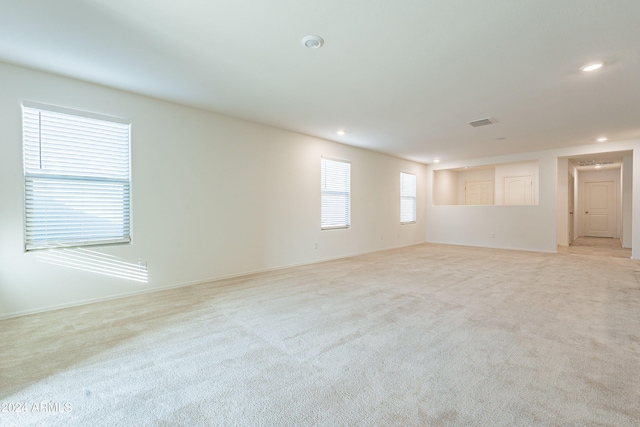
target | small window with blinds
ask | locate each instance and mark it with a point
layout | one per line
(335, 189)
(77, 178)
(407, 198)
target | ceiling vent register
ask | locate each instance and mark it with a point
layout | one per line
(482, 122)
(594, 162)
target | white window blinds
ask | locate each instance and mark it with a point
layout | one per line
(77, 180)
(335, 188)
(407, 198)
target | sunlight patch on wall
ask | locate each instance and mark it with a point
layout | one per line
(95, 262)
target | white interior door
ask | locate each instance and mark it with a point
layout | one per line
(599, 218)
(478, 193)
(518, 190)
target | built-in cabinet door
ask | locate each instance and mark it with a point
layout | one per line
(478, 193)
(518, 190)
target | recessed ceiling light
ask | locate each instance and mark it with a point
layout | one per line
(312, 41)
(341, 132)
(592, 67)
(436, 160)
(602, 139)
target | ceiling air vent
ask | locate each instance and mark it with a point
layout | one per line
(482, 122)
(595, 162)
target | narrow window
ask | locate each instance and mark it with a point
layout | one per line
(335, 188)
(407, 198)
(76, 178)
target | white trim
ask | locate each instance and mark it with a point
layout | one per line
(500, 248)
(71, 111)
(336, 159)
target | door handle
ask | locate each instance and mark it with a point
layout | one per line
(587, 212)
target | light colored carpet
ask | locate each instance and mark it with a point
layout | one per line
(600, 246)
(429, 335)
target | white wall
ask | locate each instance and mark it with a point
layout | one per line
(521, 227)
(562, 232)
(627, 200)
(500, 226)
(576, 201)
(566, 169)
(445, 187)
(212, 197)
(635, 214)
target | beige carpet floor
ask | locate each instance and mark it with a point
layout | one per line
(597, 246)
(429, 335)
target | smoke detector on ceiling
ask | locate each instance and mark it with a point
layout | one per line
(312, 41)
(482, 122)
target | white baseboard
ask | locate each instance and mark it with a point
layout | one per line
(507, 248)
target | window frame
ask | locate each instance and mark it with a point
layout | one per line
(73, 177)
(323, 191)
(404, 197)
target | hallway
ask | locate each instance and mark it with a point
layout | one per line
(599, 246)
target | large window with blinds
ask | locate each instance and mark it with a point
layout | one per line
(407, 198)
(76, 178)
(335, 189)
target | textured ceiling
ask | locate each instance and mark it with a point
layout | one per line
(402, 78)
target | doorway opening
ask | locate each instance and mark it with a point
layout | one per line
(594, 201)
(599, 246)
